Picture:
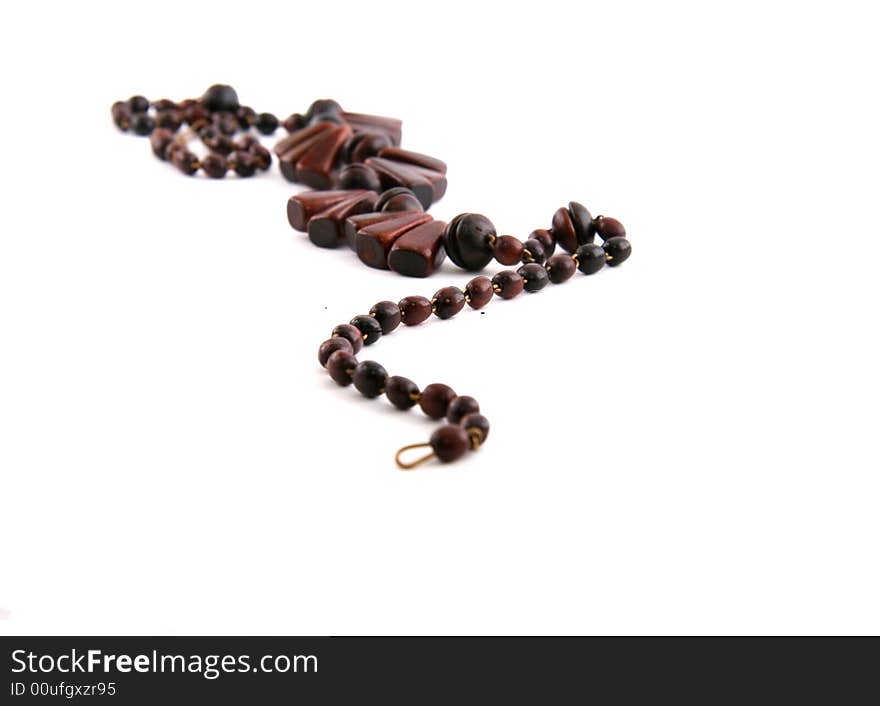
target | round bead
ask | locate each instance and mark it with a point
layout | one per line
(447, 302)
(591, 258)
(246, 116)
(478, 292)
(121, 114)
(365, 145)
(398, 199)
(507, 284)
(164, 104)
(369, 328)
(534, 251)
(387, 314)
(294, 122)
(138, 104)
(214, 165)
(609, 228)
(582, 220)
(563, 230)
(560, 268)
(261, 156)
(341, 366)
(467, 241)
(369, 378)
(476, 421)
(414, 310)
(142, 124)
(402, 392)
(220, 97)
(543, 236)
(185, 161)
(266, 123)
(169, 119)
(352, 334)
(359, 176)
(450, 443)
(226, 123)
(323, 106)
(243, 163)
(460, 407)
(330, 346)
(617, 249)
(435, 400)
(196, 113)
(159, 141)
(508, 250)
(535, 277)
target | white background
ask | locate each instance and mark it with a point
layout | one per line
(687, 444)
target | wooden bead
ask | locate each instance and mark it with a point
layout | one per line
(360, 122)
(373, 243)
(508, 250)
(387, 314)
(398, 199)
(591, 258)
(507, 284)
(401, 392)
(476, 421)
(418, 252)
(350, 333)
(358, 176)
(214, 165)
(447, 302)
(460, 407)
(185, 161)
(362, 146)
(354, 223)
(582, 220)
(467, 241)
(414, 310)
(609, 228)
(450, 442)
(316, 166)
(330, 346)
(478, 292)
(341, 366)
(533, 252)
(563, 230)
(617, 250)
(301, 208)
(544, 237)
(220, 97)
(326, 229)
(435, 400)
(159, 141)
(369, 328)
(414, 158)
(121, 114)
(534, 276)
(369, 378)
(560, 267)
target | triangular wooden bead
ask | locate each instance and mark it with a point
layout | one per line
(287, 160)
(285, 144)
(415, 158)
(394, 174)
(315, 167)
(326, 228)
(418, 252)
(302, 207)
(361, 122)
(354, 223)
(374, 241)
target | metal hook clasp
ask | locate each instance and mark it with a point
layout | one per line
(408, 466)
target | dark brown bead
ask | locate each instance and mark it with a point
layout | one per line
(196, 113)
(326, 228)
(266, 123)
(301, 208)
(609, 228)
(396, 174)
(617, 249)
(243, 164)
(330, 346)
(220, 97)
(341, 366)
(460, 407)
(387, 314)
(508, 250)
(292, 148)
(245, 142)
(414, 310)
(350, 333)
(369, 327)
(450, 442)
(414, 158)
(591, 258)
(545, 237)
(478, 292)
(365, 145)
(121, 114)
(323, 106)
(418, 252)
(294, 122)
(315, 167)
(535, 277)
(163, 104)
(373, 243)
(358, 176)
(169, 119)
(467, 241)
(435, 400)
(402, 392)
(245, 116)
(142, 124)
(262, 156)
(138, 104)
(447, 302)
(214, 165)
(560, 267)
(476, 421)
(398, 199)
(185, 161)
(370, 378)
(353, 224)
(226, 123)
(159, 141)
(534, 252)
(582, 220)
(563, 230)
(507, 284)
